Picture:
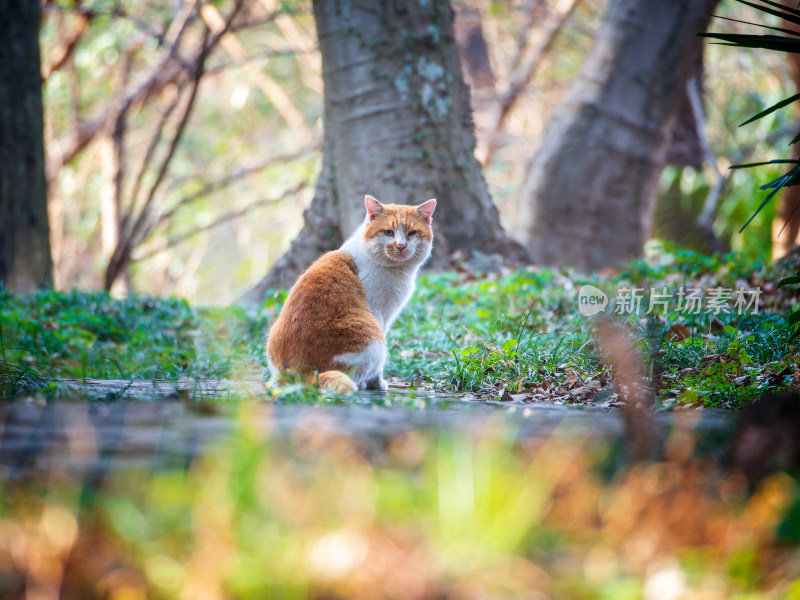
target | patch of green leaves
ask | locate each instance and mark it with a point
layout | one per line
(794, 317)
(727, 367)
(80, 335)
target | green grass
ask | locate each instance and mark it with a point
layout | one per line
(516, 333)
(90, 334)
(522, 332)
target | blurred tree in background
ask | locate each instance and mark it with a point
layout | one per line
(588, 198)
(25, 262)
(164, 129)
(398, 126)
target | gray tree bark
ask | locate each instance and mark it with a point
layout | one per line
(25, 261)
(397, 126)
(588, 197)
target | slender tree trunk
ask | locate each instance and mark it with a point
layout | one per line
(786, 225)
(25, 261)
(397, 126)
(588, 197)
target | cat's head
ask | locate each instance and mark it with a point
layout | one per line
(397, 235)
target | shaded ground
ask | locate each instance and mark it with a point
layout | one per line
(172, 423)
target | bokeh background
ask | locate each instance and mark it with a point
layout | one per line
(219, 207)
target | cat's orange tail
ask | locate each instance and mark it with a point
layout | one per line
(336, 381)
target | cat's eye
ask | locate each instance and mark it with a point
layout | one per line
(410, 233)
(388, 232)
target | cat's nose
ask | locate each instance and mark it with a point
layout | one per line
(401, 245)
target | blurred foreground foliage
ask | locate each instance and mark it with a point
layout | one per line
(495, 334)
(427, 514)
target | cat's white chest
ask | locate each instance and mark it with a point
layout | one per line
(387, 292)
(388, 288)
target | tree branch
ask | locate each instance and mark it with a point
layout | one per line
(66, 48)
(537, 43)
(168, 70)
(228, 180)
(138, 229)
(710, 206)
(148, 156)
(136, 232)
(309, 60)
(271, 88)
(230, 216)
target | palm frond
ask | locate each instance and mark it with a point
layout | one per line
(773, 108)
(791, 177)
(776, 43)
(780, 10)
(779, 161)
(781, 29)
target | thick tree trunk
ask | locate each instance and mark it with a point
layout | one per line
(397, 126)
(25, 262)
(589, 193)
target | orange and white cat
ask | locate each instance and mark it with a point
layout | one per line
(332, 328)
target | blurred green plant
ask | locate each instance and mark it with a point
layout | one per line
(775, 43)
(794, 317)
(427, 514)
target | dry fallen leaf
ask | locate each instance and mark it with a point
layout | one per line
(678, 333)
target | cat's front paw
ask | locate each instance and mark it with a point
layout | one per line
(378, 383)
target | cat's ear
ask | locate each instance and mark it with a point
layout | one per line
(374, 208)
(426, 209)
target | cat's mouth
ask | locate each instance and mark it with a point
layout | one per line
(400, 255)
